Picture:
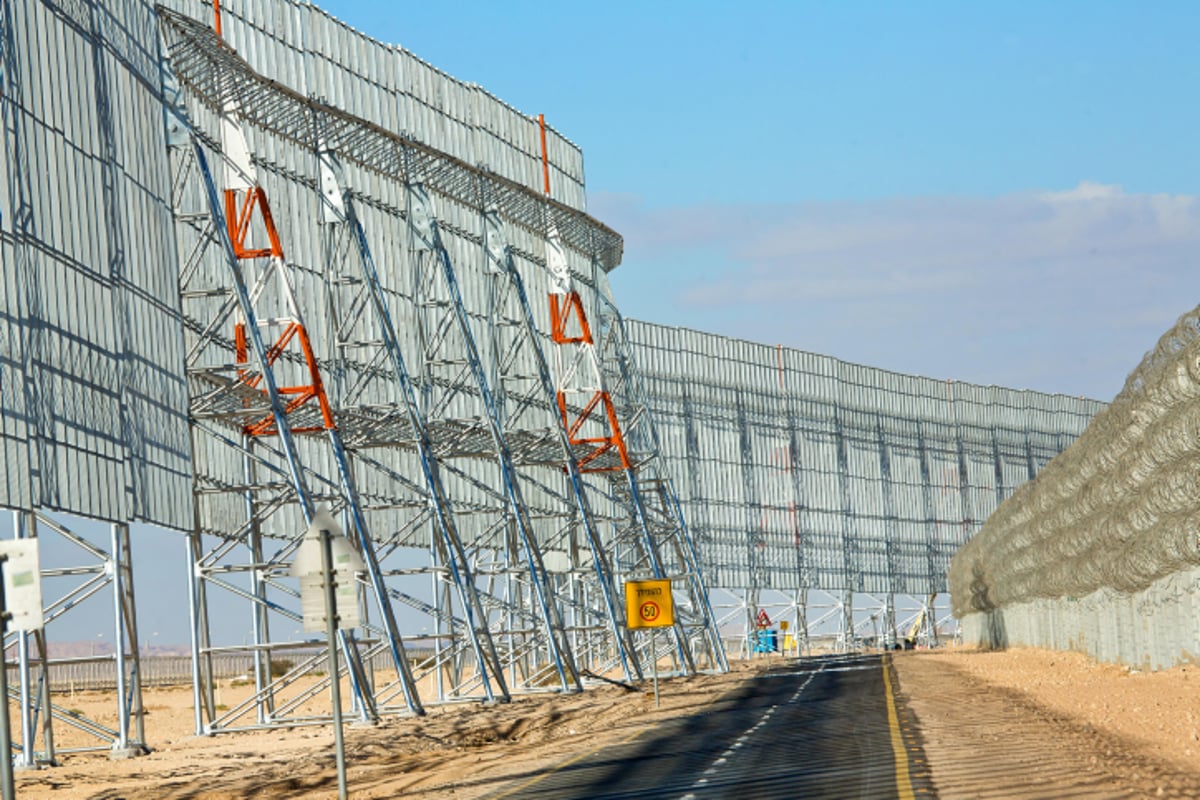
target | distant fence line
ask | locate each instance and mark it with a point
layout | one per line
(101, 673)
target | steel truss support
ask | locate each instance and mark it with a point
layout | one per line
(888, 639)
(657, 514)
(64, 588)
(847, 636)
(801, 633)
(451, 357)
(518, 394)
(248, 402)
(754, 525)
(445, 314)
(581, 390)
(368, 353)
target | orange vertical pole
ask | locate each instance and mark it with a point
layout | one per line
(545, 158)
(217, 16)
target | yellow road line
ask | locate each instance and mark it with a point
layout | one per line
(903, 781)
(511, 792)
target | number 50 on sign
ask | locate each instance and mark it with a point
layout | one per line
(648, 604)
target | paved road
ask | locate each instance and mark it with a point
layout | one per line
(815, 728)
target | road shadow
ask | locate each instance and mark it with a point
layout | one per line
(812, 728)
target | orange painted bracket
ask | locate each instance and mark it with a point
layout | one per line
(240, 222)
(300, 395)
(560, 317)
(602, 444)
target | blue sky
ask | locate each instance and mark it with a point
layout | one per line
(993, 192)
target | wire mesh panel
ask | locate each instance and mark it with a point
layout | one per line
(14, 423)
(286, 133)
(309, 50)
(801, 471)
(91, 340)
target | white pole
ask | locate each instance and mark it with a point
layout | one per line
(331, 640)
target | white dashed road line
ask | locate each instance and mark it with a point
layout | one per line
(741, 740)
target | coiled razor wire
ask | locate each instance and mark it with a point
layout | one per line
(1119, 509)
(219, 77)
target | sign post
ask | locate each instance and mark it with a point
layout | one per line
(6, 766)
(649, 604)
(20, 610)
(326, 563)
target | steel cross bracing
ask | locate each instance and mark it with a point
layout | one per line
(240, 415)
(95, 570)
(518, 395)
(450, 353)
(449, 348)
(451, 376)
(512, 403)
(653, 538)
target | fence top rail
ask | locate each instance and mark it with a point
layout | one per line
(218, 77)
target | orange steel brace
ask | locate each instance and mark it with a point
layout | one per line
(217, 16)
(240, 222)
(545, 157)
(561, 315)
(603, 443)
(561, 311)
(301, 394)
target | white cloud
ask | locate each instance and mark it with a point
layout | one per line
(1085, 191)
(939, 285)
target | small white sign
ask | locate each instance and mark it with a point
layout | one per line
(347, 563)
(312, 601)
(22, 584)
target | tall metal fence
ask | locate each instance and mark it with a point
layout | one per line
(93, 400)
(249, 274)
(87, 674)
(100, 673)
(797, 470)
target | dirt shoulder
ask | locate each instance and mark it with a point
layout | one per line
(457, 751)
(1029, 723)
(1017, 724)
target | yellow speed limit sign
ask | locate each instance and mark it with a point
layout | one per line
(648, 604)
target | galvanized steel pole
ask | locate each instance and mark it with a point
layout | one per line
(6, 765)
(331, 623)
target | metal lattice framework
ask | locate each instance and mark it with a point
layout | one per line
(503, 487)
(215, 75)
(308, 291)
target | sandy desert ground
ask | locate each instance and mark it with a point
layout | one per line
(1105, 731)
